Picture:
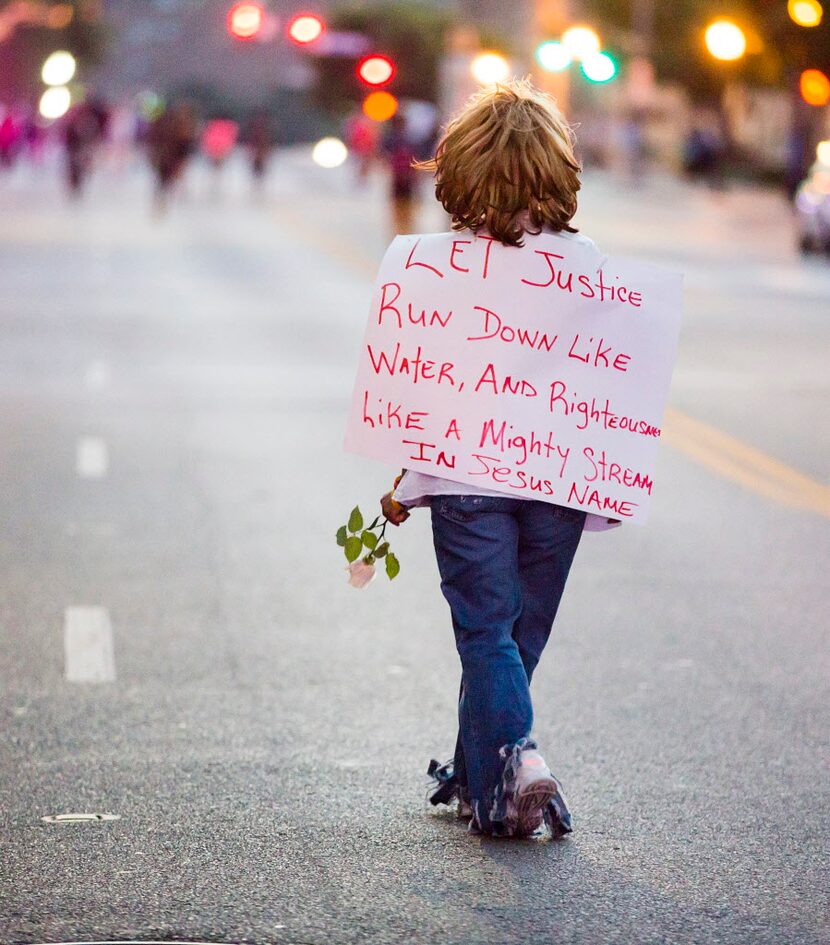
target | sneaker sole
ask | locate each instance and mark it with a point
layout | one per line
(531, 803)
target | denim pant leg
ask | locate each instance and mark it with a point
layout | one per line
(476, 544)
(548, 538)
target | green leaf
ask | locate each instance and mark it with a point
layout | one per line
(353, 548)
(375, 523)
(369, 559)
(381, 550)
(393, 568)
(341, 536)
(369, 539)
(355, 520)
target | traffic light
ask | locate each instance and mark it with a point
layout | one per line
(599, 67)
(380, 106)
(815, 87)
(245, 20)
(305, 28)
(553, 56)
(375, 70)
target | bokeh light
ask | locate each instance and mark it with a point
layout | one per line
(55, 102)
(329, 152)
(380, 106)
(725, 40)
(245, 20)
(581, 41)
(815, 87)
(59, 68)
(823, 152)
(599, 68)
(305, 28)
(805, 12)
(60, 16)
(553, 56)
(489, 68)
(376, 70)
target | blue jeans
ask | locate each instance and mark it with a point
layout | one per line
(503, 564)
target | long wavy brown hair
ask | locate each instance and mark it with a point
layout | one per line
(506, 164)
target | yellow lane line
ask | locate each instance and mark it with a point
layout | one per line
(745, 464)
(712, 448)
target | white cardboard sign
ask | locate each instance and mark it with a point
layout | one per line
(539, 371)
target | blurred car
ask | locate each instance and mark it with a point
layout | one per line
(812, 206)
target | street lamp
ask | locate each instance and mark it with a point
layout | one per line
(805, 12)
(59, 68)
(581, 42)
(725, 40)
(815, 87)
(489, 68)
(55, 102)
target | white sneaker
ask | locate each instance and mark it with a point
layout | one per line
(531, 789)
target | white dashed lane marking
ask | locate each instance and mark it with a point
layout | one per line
(91, 457)
(87, 643)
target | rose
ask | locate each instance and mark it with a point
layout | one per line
(360, 573)
(354, 539)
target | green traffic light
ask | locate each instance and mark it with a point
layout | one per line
(599, 68)
(553, 56)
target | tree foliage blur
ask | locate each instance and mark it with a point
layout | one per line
(776, 47)
(32, 29)
(410, 33)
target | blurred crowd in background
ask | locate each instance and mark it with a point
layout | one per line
(719, 91)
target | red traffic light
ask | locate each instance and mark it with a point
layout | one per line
(305, 28)
(375, 70)
(245, 20)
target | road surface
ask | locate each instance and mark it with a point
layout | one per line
(179, 648)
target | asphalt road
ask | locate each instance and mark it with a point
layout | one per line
(173, 395)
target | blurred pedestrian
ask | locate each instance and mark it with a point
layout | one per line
(34, 136)
(362, 141)
(632, 143)
(123, 132)
(704, 151)
(171, 140)
(401, 156)
(259, 139)
(84, 130)
(505, 168)
(219, 139)
(10, 133)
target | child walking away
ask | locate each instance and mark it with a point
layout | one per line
(504, 169)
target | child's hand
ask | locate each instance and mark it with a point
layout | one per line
(393, 511)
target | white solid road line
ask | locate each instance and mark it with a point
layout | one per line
(87, 644)
(91, 457)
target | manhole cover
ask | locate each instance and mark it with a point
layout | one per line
(79, 819)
